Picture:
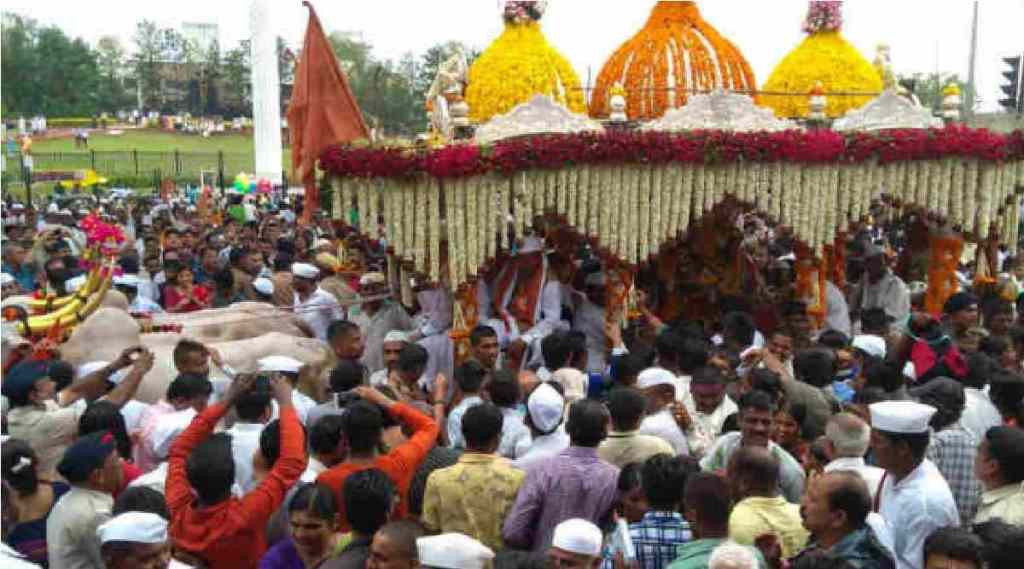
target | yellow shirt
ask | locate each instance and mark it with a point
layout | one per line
(472, 497)
(1006, 502)
(622, 448)
(756, 516)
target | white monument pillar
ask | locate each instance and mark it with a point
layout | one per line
(266, 94)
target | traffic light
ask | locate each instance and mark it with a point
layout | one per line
(1014, 88)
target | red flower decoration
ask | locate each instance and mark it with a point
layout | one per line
(697, 147)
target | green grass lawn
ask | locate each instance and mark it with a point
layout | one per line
(237, 148)
(150, 140)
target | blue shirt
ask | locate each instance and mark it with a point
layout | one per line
(656, 539)
(25, 276)
(455, 438)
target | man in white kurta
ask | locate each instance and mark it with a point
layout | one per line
(915, 499)
(376, 318)
(589, 319)
(431, 331)
(313, 305)
(837, 316)
(880, 288)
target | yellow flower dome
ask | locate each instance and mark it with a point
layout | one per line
(674, 53)
(517, 66)
(826, 57)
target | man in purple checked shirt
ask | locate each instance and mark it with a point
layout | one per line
(573, 484)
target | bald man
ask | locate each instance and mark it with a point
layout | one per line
(835, 509)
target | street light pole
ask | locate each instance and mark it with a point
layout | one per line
(971, 91)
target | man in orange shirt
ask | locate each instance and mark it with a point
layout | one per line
(221, 530)
(363, 426)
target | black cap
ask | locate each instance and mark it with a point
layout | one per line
(86, 455)
(959, 301)
(19, 382)
(941, 392)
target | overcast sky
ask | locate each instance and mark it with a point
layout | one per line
(925, 35)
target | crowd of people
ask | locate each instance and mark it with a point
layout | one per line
(711, 430)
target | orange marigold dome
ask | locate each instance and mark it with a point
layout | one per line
(675, 52)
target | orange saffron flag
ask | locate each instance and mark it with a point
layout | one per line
(323, 110)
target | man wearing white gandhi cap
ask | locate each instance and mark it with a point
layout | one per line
(313, 305)
(288, 367)
(134, 540)
(576, 544)
(377, 318)
(453, 551)
(392, 346)
(913, 499)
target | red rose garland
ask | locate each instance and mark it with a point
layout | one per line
(697, 147)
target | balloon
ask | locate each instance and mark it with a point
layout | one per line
(239, 185)
(252, 186)
(264, 186)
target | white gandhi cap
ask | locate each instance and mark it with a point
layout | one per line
(263, 286)
(134, 527)
(578, 536)
(305, 271)
(545, 406)
(453, 551)
(654, 376)
(907, 417)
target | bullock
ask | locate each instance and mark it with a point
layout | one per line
(241, 335)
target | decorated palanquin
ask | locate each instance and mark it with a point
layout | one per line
(672, 193)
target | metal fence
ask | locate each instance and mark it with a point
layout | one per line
(139, 162)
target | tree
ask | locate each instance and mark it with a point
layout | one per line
(237, 72)
(928, 87)
(18, 61)
(212, 71)
(110, 59)
(433, 58)
(383, 89)
(285, 62)
(45, 71)
(353, 55)
(154, 48)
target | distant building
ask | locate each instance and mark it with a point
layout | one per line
(201, 35)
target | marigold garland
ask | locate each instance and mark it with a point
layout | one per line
(825, 57)
(518, 65)
(666, 59)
